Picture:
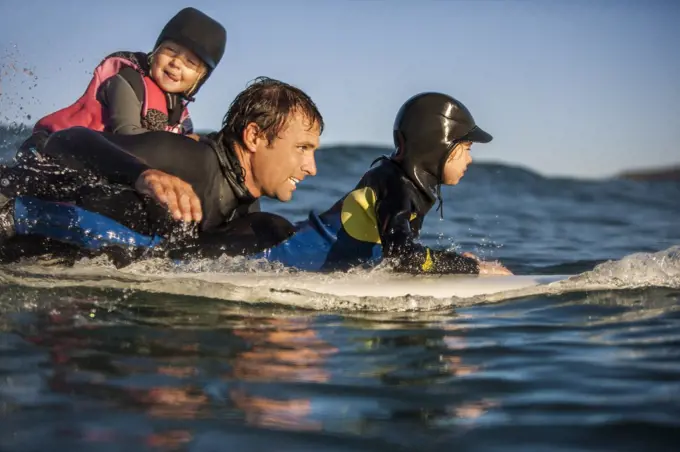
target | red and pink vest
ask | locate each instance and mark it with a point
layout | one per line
(89, 112)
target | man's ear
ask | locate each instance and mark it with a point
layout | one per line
(252, 136)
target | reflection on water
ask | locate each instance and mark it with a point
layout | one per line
(81, 371)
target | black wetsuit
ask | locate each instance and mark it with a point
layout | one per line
(78, 157)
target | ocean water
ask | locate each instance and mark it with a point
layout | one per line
(98, 359)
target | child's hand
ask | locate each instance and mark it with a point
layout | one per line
(171, 191)
(194, 136)
(493, 268)
(471, 256)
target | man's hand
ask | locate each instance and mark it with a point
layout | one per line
(173, 192)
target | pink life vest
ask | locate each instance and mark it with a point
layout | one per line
(88, 112)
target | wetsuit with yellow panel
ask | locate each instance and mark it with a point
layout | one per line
(383, 215)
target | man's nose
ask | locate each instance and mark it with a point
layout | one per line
(309, 166)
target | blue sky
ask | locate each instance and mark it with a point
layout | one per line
(575, 88)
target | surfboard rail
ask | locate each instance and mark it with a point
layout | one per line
(387, 284)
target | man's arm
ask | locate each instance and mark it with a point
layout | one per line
(82, 149)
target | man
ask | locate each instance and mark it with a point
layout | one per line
(265, 148)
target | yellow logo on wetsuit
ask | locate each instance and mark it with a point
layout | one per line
(429, 263)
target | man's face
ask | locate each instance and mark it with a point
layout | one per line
(278, 167)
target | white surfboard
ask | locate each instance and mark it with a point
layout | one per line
(387, 285)
(375, 291)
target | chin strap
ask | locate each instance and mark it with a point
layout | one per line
(440, 207)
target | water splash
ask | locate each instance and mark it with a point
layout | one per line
(661, 269)
(17, 80)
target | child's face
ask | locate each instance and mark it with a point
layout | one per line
(175, 68)
(458, 161)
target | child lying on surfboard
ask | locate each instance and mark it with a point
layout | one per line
(380, 218)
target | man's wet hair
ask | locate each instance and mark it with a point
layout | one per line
(269, 103)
